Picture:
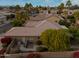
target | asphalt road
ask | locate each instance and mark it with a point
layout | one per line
(5, 27)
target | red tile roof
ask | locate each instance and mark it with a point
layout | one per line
(33, 31)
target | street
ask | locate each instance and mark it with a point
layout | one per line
(5, 27)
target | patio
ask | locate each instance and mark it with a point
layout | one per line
(27, 46)
(22, 46)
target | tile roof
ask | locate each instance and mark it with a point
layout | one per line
(33, 31)
(40, 16)
(32, 23)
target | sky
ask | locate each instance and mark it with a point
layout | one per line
(35, 2)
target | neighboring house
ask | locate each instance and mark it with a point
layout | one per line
(45, 12)
(23, 35)
(2, 19)
(3, 16)
(32, 23)
(40, 17)
(5, 13)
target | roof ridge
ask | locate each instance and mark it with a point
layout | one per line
(11, 29)
(39, 24)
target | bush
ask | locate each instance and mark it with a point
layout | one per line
(39, 42)
(41, 49)
(6, 40)
(56, 40)
(72, 19)
(71, 49)
(4, 45)
(74, 31)
(64, 22)
(33, 55)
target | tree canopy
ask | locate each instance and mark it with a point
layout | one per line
(61, 6)
(17, 7)
(55, 40)
(16, 23)
(68, 4)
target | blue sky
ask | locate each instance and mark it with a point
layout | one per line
(35, 2)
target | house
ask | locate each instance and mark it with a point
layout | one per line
(30, 32)
(2, 19)
(23, 35)
(40, 17)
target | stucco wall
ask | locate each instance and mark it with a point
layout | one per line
(67, 54)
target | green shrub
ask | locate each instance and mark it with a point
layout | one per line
(17, 23)
(56, 40)
(39, 42)
(65, 23)
(41, 49)
(71, 19)
(71, 49)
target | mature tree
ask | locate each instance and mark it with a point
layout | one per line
(10, 7)
(28, 7)
(17, 23)
(68, 4)
(25, 16)
(55, 40)
(21, 18)
(61, 7)
(17, 7)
